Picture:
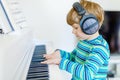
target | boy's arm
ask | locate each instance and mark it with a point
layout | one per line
(89, 68)
(67, 55)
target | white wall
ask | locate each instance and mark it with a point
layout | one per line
(47, 18)
(109, 4)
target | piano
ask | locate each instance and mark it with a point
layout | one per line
(18, 53)
(38, 71)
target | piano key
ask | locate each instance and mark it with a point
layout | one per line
(39, 68)
(38, 57)
(33, 72)
(34, 58)
(36, 63)
(38, 60)
(38, 71)
(34, 66)
(39, 78)
(39, 52)
(36, 76)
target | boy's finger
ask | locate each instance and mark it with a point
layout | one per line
(44, 62)
(47, 62)
(47, 56)
(44, 55)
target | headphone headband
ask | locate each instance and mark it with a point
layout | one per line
(80, 10)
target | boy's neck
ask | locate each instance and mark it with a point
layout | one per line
(93, 36)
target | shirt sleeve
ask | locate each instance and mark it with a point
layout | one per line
(85, 71)
(68, 55)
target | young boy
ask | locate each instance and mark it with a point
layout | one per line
(89, 60)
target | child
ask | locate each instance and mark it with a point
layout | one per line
(89, 60)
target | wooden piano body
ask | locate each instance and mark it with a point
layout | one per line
(16, 50)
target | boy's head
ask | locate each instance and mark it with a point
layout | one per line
(74, 17)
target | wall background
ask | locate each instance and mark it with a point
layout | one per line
(47, 19)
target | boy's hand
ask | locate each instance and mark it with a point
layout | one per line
(53, 58)
(52, 61)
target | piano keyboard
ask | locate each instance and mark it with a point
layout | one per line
(38, 71)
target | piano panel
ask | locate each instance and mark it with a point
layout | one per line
(15, 49)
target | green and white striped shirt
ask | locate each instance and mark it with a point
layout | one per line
(88, 61)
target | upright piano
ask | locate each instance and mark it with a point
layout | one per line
(18, 56)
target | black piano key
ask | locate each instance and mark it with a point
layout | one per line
(39, 78)
(43, 73)
(38, 58)
(34, 66)
(38, 71)
(38, 55)
(33, 72)
(37, 75)
(38, 66)
(38, 52)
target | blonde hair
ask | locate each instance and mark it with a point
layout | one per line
(90, 7)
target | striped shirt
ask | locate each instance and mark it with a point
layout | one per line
(88, 61)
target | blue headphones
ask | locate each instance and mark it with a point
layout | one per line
(88, 23)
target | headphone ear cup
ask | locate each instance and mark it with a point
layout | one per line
(89, 24)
